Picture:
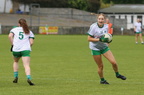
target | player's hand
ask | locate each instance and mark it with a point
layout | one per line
(103, 39)
(11, 48)
(110, 41)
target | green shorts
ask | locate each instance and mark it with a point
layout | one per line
(138, 32)
(95, 52)
(25, 53)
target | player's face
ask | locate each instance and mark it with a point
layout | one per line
(101, 20)
(107, 20)
(19, 24)
(138, 20)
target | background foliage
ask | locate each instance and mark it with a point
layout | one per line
(125, 1)
(87, 5)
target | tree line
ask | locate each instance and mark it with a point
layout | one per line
(87, 5)
(124, 1)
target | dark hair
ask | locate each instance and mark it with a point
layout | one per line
(24, 25)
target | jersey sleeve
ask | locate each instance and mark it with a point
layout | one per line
(31, 35)
(12, 31)
(91, 30)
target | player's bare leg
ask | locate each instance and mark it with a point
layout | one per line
(136, 38)
(26, 63)
(98, 60)
(112, 60)
(140, 35)
(15, 68)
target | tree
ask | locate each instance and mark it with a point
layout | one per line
(78, 4)
(94, 5)
(87, 5)
(105, 4)
(125, 1)
(106, 1)
(53, 3)
(44, 3)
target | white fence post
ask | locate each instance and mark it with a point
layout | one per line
(122, 29)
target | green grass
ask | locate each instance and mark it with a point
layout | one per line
(63, 65)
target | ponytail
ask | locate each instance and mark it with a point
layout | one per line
(24, 25)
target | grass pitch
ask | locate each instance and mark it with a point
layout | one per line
(63, 65)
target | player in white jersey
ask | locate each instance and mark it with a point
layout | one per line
(21, 39)
(99, 47)
(138, 31)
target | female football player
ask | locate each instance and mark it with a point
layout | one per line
(98, 46)
(21, 39)
(138, 31)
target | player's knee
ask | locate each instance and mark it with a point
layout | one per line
(113, 63)
(100, 67)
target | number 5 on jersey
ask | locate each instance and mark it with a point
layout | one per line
(21, 36)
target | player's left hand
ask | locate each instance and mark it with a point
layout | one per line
(11, 48)
(110, 41)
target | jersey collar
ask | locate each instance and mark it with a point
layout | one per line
(100, 26)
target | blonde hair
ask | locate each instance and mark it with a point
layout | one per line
(24, 25)
(101, 14)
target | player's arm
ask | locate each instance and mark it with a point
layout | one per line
(91, 39)
(134, 28)
(112, 29)
(10, 36)
(102, 39)
(31, 41)
(31, 38)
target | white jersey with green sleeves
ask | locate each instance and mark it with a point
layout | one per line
(138, 27)
(96, 32)
(21, 40)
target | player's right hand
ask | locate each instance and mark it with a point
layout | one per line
(103, 39)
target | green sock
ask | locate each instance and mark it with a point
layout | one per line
(102, 79)
(29, 77)
(117, 73)
(15, 74)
